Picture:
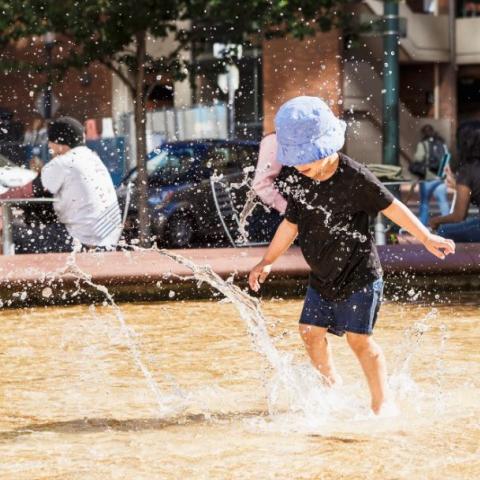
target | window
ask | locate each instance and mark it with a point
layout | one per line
(231, 159)
(245, 156)
(220, 160)
(171, 165)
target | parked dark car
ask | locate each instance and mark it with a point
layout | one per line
(196, 191)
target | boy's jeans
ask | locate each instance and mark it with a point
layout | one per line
(467, 231)
(438, 189)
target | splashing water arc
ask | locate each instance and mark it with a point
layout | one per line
(291, 387)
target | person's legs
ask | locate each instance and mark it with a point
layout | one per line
(56, 239)
(315, 321)
(427, 189)
(424, 199)
(24, 238)
(360, 312)
(373, 363)
(35, 238)
(440, 193)
(467, 231)
(319, 351)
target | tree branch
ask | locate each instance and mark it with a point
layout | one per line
(109, 64)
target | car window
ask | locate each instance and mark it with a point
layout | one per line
(245, 156)
(170, 165)
(230, 159)
(220, 160)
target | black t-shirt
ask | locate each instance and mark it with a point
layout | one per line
(468, 174)
(333, 227)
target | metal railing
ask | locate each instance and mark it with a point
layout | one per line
(7, 231)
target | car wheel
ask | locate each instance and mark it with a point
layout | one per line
(181, 230)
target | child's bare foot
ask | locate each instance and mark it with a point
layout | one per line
(385, 409)
(332, 379)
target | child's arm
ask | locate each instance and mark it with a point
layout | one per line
(397, 212)
(284, 237)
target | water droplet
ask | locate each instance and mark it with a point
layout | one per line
(47, 292)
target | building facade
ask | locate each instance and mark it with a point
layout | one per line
(439, 79)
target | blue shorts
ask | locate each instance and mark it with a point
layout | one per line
(357, 314)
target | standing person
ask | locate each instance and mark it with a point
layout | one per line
(36, 137)
(329, 209)
(268, 169)
(37, 133)
(466, 182)
(86, 204)
(429, 153)
(264, 224)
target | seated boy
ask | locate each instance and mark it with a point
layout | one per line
(329, 206)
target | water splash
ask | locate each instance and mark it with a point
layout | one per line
(298, 389)
(252, 202)
(334, 227)
(440, 396)
(249, 205)
(292, 388)
(71, 268)
(401, 383)
(295, 392)
(285, 377)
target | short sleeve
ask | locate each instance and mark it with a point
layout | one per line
(372, 195)
(53, 176)
(463, 176)
(292, 212)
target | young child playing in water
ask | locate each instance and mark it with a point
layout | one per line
(329, 205)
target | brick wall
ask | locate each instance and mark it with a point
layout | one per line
(19, 90)
(309, 67)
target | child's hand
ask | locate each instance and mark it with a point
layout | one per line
(439, 246)
(258, 275)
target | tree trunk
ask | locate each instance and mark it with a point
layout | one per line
(141, 150)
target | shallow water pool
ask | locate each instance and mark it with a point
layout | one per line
(74, 404)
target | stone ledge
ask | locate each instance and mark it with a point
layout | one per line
(149, 275)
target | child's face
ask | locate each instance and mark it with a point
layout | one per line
(314, 169)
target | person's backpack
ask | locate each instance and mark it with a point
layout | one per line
(435, 152)
(418, 168)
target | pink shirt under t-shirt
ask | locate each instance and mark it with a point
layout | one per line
(267, 171)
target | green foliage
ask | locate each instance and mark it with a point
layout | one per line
(237, 19)
(106, 30)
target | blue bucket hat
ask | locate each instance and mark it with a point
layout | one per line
(307, 130)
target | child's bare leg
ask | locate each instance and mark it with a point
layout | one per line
(316, 343)
(373, 363)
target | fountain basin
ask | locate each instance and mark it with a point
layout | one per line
(147, 275)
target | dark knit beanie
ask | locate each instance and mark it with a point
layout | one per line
(66, 131)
